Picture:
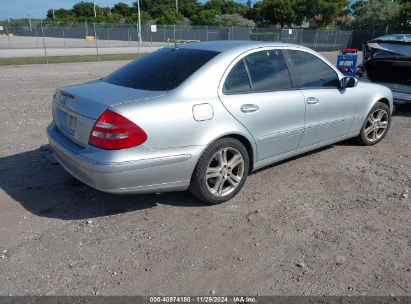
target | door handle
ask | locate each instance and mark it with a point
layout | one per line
(312, 100)
(249, 108)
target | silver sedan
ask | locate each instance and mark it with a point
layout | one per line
(202, 116)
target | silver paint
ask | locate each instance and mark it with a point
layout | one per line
(182, 122)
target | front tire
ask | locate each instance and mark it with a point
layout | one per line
(376, 125)
(220, 172)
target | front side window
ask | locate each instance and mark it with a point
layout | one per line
(162, 70)
(268, 71)
(311, 71)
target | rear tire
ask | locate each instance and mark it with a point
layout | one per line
(376, 125)
(220, 172)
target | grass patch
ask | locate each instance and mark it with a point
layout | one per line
(66, 59)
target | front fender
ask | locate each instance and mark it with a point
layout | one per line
(368, 94)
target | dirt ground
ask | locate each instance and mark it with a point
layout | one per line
(332, 222)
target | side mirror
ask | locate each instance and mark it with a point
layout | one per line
(348, 82)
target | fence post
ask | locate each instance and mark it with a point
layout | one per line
(301, 35)
(95, 37)
(8, 37)
(326, 44)
(206, 32)
(128, 35)
(64, 39)
(339, 40)
(44, 42)
(37, 37)
(315, 40)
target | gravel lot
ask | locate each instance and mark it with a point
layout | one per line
(332, 222)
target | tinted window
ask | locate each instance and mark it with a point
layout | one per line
(162, 70)
(268, 71)
(237, 80)
(311, 71)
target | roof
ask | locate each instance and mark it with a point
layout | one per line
(226, 45)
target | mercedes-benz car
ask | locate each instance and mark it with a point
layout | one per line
(202, 116)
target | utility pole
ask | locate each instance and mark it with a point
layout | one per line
(28, 15)
(177, 6)
(94, 8)
(52, 7)
(139, 21)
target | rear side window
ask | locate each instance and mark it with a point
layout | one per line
(268, 71)
(162, 70)
(311, 71)
(237, 80)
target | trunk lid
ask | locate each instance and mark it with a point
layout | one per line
(76, 108)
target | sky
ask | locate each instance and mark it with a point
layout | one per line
(38, 8)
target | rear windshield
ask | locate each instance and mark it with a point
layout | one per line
(162, 70)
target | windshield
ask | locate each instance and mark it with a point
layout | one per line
(162, 70)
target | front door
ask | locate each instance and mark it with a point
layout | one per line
(259, 94)
(330, 110)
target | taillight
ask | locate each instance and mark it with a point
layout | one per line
(344, 70)
(114, 132)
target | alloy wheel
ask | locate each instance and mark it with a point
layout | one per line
(376, 125)
(225, 171)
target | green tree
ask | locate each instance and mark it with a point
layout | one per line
(226, 7)
(328, 10)
(273, 12)
(233, 20)
(84, 9)
(205, 17)
(303, 10)
(170, 17)
(377, 15)
(159, 8)
(122, 9)
(59, 13)
(145, 18)
(405, 15)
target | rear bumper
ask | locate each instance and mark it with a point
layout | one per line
(167, 170)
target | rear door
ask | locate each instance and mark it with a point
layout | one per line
(330, 110)
(257, 90)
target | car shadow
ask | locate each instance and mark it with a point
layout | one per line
(44, 188)
(403, 110)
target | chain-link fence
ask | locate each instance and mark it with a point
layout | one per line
(86, 35)
(103, 36)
